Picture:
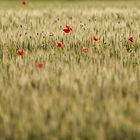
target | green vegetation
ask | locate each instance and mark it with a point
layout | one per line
(76, 95)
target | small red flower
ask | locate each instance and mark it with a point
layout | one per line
(85, 49)
(96, 38)
(131, 38)
(24, 2)
(20, 52)
(59, 44)
(67, 29)
(39, 65)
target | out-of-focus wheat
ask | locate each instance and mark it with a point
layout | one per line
(52, 93)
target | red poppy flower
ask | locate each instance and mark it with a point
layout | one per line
(131, 38)
(39, 65)
(85, 49)
(24, 2)
(96, 38)
(67, 29)
(59, 44)
(20, 52)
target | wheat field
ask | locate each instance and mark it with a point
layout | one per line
(83, 90)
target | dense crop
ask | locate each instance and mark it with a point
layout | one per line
(70, 72)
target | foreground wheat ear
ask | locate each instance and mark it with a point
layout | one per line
(69, 70)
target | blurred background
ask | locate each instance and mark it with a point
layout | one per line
(33, 4)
